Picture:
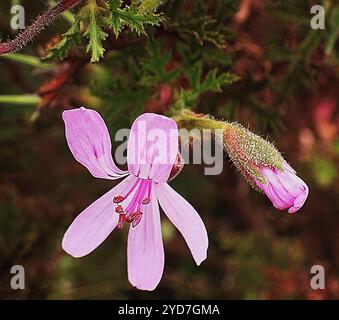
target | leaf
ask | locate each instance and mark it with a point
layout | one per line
(115, 4)
(94, 32)
(211, 83)
(154, 66)
(194, 76)
(149, 6)
(69, 39)
(94, 18)
(213, 55)
(214, 83)
(204, 29)
(131, 17)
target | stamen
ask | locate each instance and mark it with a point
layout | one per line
(119, 209)
(121, 198)
(134, 204)
(122, 220)
(131, 190)
(118, 199)
(146, 201)
(137, 219)
(149, 191)
(133, 215)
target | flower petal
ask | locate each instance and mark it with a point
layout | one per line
(185, 219)
(145, 251)
(300, 200)
(281, 189)
(284, 188)
(93, 225)
(152, 147)
(288, 168)
(274, 196)
(89, 141)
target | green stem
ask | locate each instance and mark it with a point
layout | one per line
(189, 120)
(26, 59)
(20, 99)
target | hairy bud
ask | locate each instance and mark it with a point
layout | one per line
(264, 168)
(249, 152)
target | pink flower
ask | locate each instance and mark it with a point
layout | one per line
(283, 187)
(151, 152)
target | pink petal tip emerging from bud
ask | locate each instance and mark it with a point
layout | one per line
(284, 188)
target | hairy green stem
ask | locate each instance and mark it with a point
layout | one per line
(189, 119)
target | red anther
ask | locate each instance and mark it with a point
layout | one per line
(119, 209)
(130, 218)
(146, 201)
(136, 220)
(122, 220)
(118, 199)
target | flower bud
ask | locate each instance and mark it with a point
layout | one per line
(264, 168)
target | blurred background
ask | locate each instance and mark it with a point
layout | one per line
(287, 90)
